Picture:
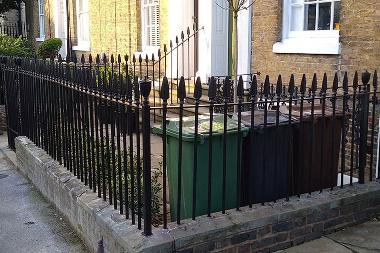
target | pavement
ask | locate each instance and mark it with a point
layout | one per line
(363, 238)
(28, 222)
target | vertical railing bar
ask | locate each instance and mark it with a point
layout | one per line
(197, 95)
(323, 128)
(145, 91)
(333, 102)
(266, 93)
(355, 84)
(312, 119)
(253, 93)
(211, 95)
(374, 101)
(138, 150)
(278, 98)
(240, 93)
(344, 133)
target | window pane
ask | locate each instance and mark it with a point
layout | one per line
(337, 16)
(310, 14)
(147, 38)
(146, 16)
(324, 18)
(42, 26)
(297, 18)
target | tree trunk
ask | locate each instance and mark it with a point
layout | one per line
(235, 56)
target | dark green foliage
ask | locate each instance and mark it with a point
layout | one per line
(18, 47)
(49, 48)
(119, 168)
(6, 5)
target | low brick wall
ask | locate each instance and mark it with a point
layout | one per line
(266, 228)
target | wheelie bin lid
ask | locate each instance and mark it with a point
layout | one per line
(188, 132)
(259, 118)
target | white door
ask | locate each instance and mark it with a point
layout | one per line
(61, 25)
(180, 17)
(219, 38)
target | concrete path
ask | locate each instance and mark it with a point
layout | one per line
(363, 238)
(28, 223)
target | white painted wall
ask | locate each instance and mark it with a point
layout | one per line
(180, 16)
(244, 42)
(204, 39)
(212, 40)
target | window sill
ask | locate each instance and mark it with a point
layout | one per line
(148, 51)
(84, 48)
(327, 46)
(40, 39)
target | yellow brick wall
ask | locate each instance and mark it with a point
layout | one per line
(116, 27)
(163, 23)
(359, 37)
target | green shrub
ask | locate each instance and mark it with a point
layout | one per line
(10, 46)
(49, 48)
(109, 165)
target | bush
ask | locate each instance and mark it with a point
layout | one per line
(49, 48)
(10, 46)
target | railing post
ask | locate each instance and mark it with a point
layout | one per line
(145, 88)
(364, 98)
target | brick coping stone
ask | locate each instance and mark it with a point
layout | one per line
(267, 228)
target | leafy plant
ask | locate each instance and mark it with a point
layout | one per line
(119, 168)
(10, 46)
(155, 179)
(6, 5)
(49, 48)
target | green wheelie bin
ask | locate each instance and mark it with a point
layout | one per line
(202, 172)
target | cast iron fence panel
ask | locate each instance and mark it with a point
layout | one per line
(95, 117)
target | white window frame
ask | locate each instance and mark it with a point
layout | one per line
(149, 49)
(41, 20)
(306, 42)
(83, 43)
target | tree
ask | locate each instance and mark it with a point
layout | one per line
(236, 6)
(6, 5)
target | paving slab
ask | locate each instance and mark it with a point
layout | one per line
(28, 222)
(319, 246)
(361, 238)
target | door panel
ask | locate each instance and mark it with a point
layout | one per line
(61, 25)
(219, 39)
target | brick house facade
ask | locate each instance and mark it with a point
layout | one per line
(359, 41)
(113, 27)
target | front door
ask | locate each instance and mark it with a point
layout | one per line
(61, 25)
(219, 38)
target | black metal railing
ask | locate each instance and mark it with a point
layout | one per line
(98, 120)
